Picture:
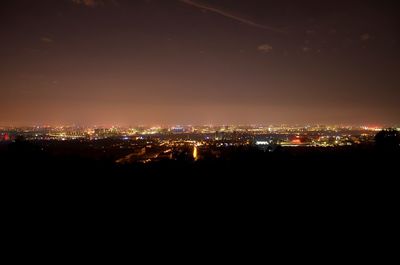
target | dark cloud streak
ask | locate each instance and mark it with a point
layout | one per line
(231, 16)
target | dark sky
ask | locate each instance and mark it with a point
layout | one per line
(199, 62)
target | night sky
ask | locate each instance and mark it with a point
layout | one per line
(160, 62)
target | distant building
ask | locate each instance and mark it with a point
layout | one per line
(177, 129)
(216, 136)
(219, 136)
(195, 153)
(5, 137)
(266, 145)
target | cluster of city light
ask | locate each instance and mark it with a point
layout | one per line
(327, 135)
(150, 144)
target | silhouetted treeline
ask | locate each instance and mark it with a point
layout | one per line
(388, 140)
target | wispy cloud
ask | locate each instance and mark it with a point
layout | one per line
(88, 3)
(46, 40)
(265, 48)
(231, 16)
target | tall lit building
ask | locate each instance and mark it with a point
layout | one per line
(195, 154)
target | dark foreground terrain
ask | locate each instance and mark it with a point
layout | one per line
(344, 192)
(75, 159)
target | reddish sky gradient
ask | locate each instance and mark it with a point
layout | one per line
(199, 62)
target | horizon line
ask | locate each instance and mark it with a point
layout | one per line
(367, 124)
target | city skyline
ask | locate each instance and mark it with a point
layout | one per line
(154, 62)
(372, 126)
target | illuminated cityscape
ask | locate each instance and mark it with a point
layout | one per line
(150, 144)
